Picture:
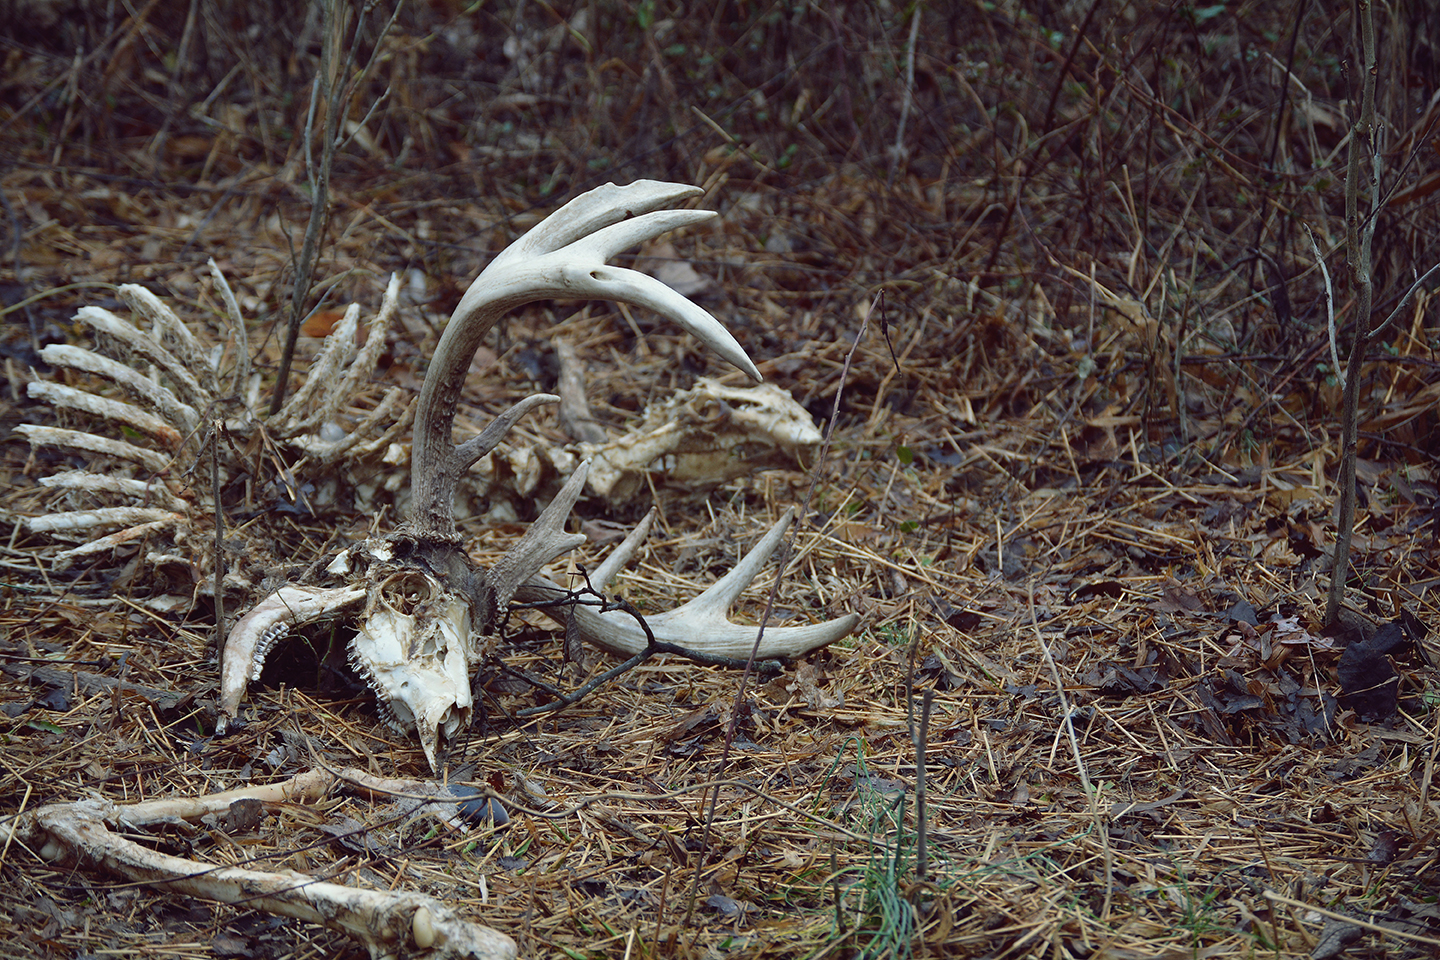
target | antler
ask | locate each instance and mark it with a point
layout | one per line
(702, 625)
(562, 257)
(428, 612)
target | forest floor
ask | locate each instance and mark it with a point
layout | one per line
(1080, 488)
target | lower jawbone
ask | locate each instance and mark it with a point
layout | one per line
(414, 647)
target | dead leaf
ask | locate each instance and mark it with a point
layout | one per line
(807, 680)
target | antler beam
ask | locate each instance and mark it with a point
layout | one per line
(563, 257)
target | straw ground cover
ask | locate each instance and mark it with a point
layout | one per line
(1080, 487)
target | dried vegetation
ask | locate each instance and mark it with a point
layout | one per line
(1080, 489)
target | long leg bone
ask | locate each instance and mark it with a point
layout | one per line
(391, 923)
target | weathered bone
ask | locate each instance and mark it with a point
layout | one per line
(391, 923)
(181, 366)
(147, 389)
(424, 615)
(254, 634)
(703, 437)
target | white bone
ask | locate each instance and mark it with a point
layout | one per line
(418, 661)
(249, 639)
(94, 483)
(159, 398)
(121, 413)
(239, 336)
(338, 351)
(169, 330)
(89, 443)
(390, 923)
(702, 624)
(364, 362)
(138, 532)
(419, 635)
(424, 615)
(72, 520)
(148, 349)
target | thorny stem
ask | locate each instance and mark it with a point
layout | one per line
(331, 87)
(215, 427)
(1358, 238)
(323, 87)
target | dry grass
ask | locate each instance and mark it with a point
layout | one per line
(1092, 419)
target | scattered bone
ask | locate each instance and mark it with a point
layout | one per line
(430, 614)
(391, 923)
(575, 417)
(165, 418)
(704, 437)
(697, 439)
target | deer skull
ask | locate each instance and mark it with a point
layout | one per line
(425, 613)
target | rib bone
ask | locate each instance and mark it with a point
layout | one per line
(421, 615)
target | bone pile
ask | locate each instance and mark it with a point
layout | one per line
(420, 613)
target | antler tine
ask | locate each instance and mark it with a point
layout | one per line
(545, 540)
(700, 625)
(477, 446)
(594, 210)
(620, 557)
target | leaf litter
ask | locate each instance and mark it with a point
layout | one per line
(1128, 458)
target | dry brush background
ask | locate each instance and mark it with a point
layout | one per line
(1083, 468)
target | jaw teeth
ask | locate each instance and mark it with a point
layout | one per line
(265, 644)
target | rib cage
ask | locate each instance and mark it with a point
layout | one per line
(154, 382)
